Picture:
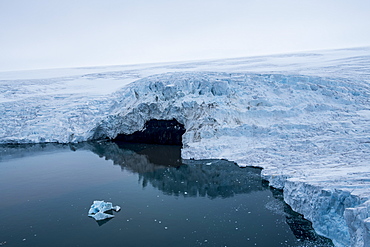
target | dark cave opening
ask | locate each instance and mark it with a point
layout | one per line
(165, 132)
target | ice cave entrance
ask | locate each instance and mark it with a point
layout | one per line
(166, 132)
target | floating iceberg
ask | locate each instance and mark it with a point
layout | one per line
(99, 208)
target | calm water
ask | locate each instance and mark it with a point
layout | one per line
(46, 191)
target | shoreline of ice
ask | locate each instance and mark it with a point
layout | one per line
(303, 118)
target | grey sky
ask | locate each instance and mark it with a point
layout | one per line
(69, 33)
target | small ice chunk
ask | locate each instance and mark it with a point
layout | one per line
(99, 208)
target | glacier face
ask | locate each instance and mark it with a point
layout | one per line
(304, 118)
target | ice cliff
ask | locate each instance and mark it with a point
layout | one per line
(304, 118)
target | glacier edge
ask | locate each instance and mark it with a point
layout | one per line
(309, 133)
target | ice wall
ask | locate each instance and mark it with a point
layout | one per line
(310, 133)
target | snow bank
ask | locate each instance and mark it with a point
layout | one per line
(304, 119)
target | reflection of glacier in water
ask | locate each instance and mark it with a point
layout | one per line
(216, 189)
(160, 166)
(212, 178)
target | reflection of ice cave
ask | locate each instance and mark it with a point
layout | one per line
(218, 178)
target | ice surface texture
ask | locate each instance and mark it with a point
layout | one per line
(99, 208)
(304, 118)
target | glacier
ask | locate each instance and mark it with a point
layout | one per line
(304, 118)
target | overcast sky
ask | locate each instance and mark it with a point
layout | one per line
(73, 33)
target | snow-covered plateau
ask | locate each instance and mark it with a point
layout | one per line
(304, 118)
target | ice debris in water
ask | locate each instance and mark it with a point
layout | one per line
(98, 209)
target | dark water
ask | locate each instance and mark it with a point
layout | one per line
(46, 191)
